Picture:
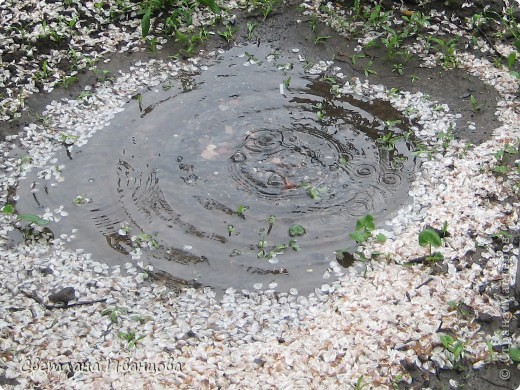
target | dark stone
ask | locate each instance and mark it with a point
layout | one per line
(345, 258)
(8, 381)
(259, 361)
(485, 318)
(63, 296)
(46, 270)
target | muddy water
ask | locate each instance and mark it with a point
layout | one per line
(213, 169)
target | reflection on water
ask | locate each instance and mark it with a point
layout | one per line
(206, 182)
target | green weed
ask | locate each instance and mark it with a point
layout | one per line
(448, 49)
(474, 104)
(114, 313)
(430, 238)
(175, 13)
(454, 349)
(8, 209)
(250, 28)
(131, 338)
(228, 33)
(364, 228)
(241, 211)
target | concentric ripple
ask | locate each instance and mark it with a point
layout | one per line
(204, 184)
(273, 163)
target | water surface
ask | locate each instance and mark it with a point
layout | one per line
(212, 170)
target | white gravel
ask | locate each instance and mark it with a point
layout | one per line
(358, 326)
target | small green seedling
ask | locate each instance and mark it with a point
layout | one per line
(139, 98)
(320, 113)
(250, 28)
(293, 244)
(241, 211)
(388, 140)
(474, 104)
(368, 70)
(444, 229)
(279, 249)
(364, 228)
(500, 169)
(429, 237)
(296, 230)
(114, 313)
(267, 9)
(360, 384)
(312, 191)
(398, 68)
(228, 33)
(68, 139)
(454, 347)
(230, 229)
(261, 246)
(503, 235)
(144, 240)
(459, 307)
(313, 22)
(81, 199)
(131, 338)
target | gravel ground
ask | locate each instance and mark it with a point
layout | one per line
(115, 329)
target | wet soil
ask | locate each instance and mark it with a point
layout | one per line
(283, 31)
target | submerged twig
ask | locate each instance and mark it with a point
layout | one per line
(39, 300)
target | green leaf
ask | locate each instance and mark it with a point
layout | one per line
(145, 22)
(517, 45)
(457, 350)
(511, 59)
(343, 160)
(241, 210)
(313, 193)
(429, 237)
(212, 5)
(514, 354)
(380, 237)
(359, 236)
(294, 245)
(366, 223)
(500, 169)
(446, 340)
(33, 219)
(296, 230)
(8, 209)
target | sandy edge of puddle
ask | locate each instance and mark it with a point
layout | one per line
(366, 326)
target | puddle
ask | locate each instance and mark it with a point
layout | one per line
(209, 174)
